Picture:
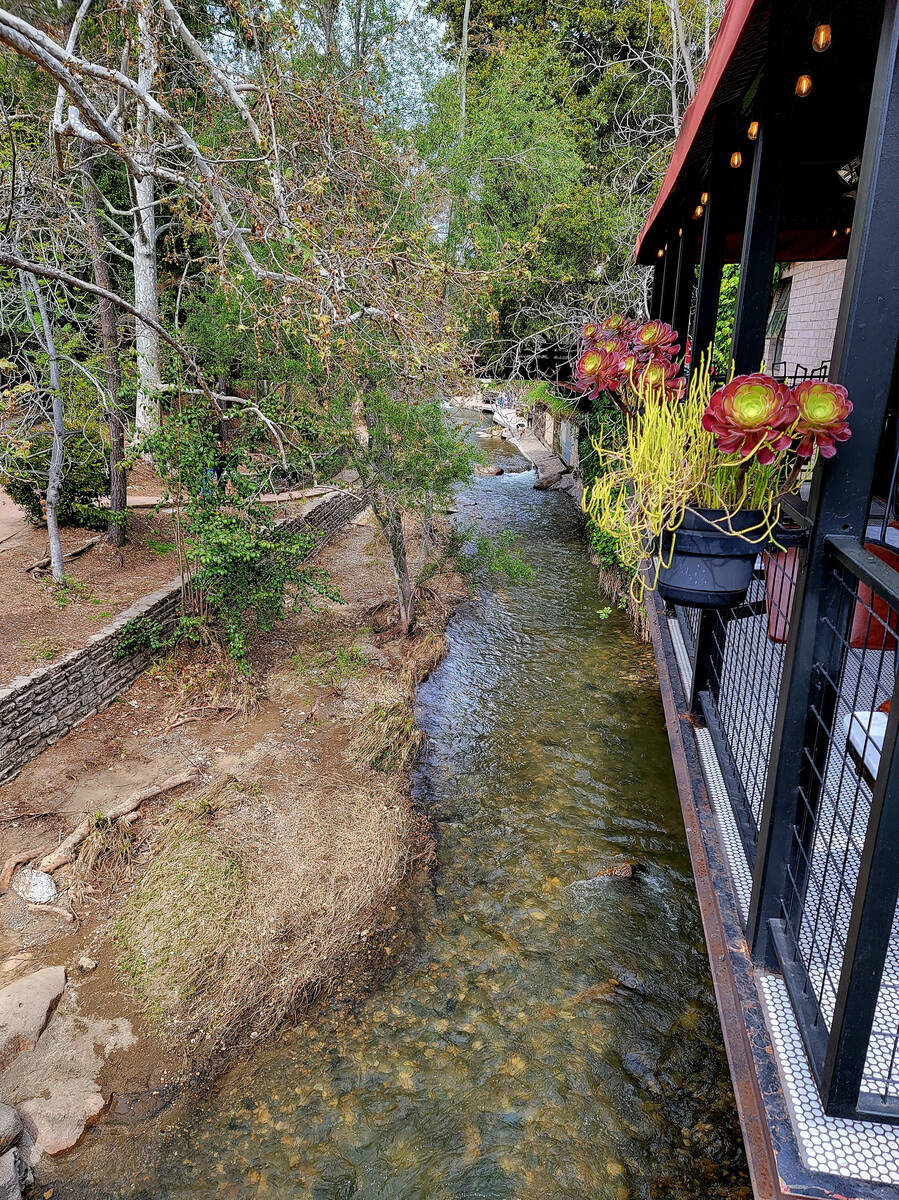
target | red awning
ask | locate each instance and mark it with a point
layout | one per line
(733, 25)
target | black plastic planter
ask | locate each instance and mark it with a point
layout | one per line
(711, 567)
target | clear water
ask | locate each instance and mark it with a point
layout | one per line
(546, 1036)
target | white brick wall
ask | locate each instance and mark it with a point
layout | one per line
(812, 314)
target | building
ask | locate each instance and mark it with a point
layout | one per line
(783, 713)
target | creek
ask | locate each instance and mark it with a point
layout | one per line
(547, 1034)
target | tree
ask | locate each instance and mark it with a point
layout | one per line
(315, 224)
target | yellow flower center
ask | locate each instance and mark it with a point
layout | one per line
(818, 405)
(752, 404)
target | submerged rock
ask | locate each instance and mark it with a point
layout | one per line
(36, 887)
(618, 871)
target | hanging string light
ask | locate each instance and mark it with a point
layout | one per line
(821, 38)
(697, 212)
(753, 131)
(660, 254)
(803, 85)
(736, 159)
(704, 198)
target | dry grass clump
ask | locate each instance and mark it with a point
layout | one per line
(240, 917)
(170, 929)
(388, 738)
(203, 684)
(109, 846)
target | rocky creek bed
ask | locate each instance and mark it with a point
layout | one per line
(549, 1031)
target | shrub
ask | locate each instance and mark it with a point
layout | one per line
(85, 477)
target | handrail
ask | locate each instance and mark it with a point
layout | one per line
(865, 566)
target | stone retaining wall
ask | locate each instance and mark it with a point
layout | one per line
(559, 435)
(36, 710)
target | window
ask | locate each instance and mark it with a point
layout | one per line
(777, 322)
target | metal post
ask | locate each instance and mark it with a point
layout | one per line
(683, 288)
(711, 265)
(759, 250)
(708, 656)
(655, 295)
(864, 361)
(669, 278)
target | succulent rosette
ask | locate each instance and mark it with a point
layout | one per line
(613, 345)
(822, 411)
(598, 371)
(752, 415)
(592, 333)
(656, 338)
(658, 377)
(616, 323)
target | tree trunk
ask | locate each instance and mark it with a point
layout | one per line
(396, 539)
(146, 288)
(463, 69)
(118, 480)
(55, 474)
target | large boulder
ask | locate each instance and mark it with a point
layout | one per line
(25, 1009)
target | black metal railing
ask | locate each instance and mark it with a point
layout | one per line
(737, 661)
(836, 938)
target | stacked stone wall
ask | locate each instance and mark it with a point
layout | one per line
(36, 710)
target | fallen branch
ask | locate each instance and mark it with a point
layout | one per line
(66, 851)
(52, 908)
(45, 562)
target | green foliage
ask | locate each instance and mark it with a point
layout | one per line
(500, 556)
(247, 573)
(141, 633)
(85, 477)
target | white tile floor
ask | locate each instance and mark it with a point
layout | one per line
(863, 1150)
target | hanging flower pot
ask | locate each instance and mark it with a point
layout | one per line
(710, 563)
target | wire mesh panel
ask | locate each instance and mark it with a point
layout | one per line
(688, 619)
(745, 665)
(853, 681)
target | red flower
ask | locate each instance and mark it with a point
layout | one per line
(753, 414)
(598, 371)
(656, 338)
(823, 409)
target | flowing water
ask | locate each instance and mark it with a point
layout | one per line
(547, 1035)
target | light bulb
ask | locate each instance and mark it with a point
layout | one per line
(803, 85)
(821, 38)
(736, 159)
(697, 212)
(753, 131)
(704, 198)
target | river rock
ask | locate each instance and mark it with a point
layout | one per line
(547, 481)
(25, 1009)
(16, 1179)
(618, 871)
(36, 887)
(60, 1121)
(10, 1127)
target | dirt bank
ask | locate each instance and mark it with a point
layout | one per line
(275, 871)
